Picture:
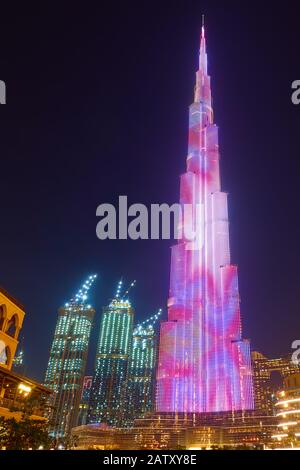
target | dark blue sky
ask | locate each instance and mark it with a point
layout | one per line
(97, 107)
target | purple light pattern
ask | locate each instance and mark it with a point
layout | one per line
(204, 364)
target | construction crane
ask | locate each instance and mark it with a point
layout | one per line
(119, 289)
(128, 290)
(82, 293)
(151, 321)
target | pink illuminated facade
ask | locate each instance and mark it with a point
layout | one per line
(204, 364)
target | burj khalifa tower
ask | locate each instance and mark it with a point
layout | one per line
(204, 363)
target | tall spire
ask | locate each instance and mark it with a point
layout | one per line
(202, 88)
(203, 55)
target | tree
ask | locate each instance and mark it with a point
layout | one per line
(24, 434)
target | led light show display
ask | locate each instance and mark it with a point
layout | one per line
(204, 364)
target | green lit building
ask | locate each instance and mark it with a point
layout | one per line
(142, 370)
(67, 362)
(109, 394)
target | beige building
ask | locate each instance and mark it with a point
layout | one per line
(18, 394)
(11, 321)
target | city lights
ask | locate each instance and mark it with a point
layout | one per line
(24, 388)
(119, 373)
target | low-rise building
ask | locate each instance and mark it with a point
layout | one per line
(287, 434)
(186, 432)
(18, 394)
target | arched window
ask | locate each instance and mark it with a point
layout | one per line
(2, 316)
(12, 326)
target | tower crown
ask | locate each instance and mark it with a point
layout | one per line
(202, 54)
(202, 88)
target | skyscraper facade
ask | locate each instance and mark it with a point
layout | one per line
(204, 364)
(142, 369)
(109, 400)
(67, 362)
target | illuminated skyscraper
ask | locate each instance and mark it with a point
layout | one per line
(204, 364)
(109, 390)
(142, 369)
(67, 362)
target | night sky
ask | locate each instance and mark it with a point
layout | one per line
(97, 107)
